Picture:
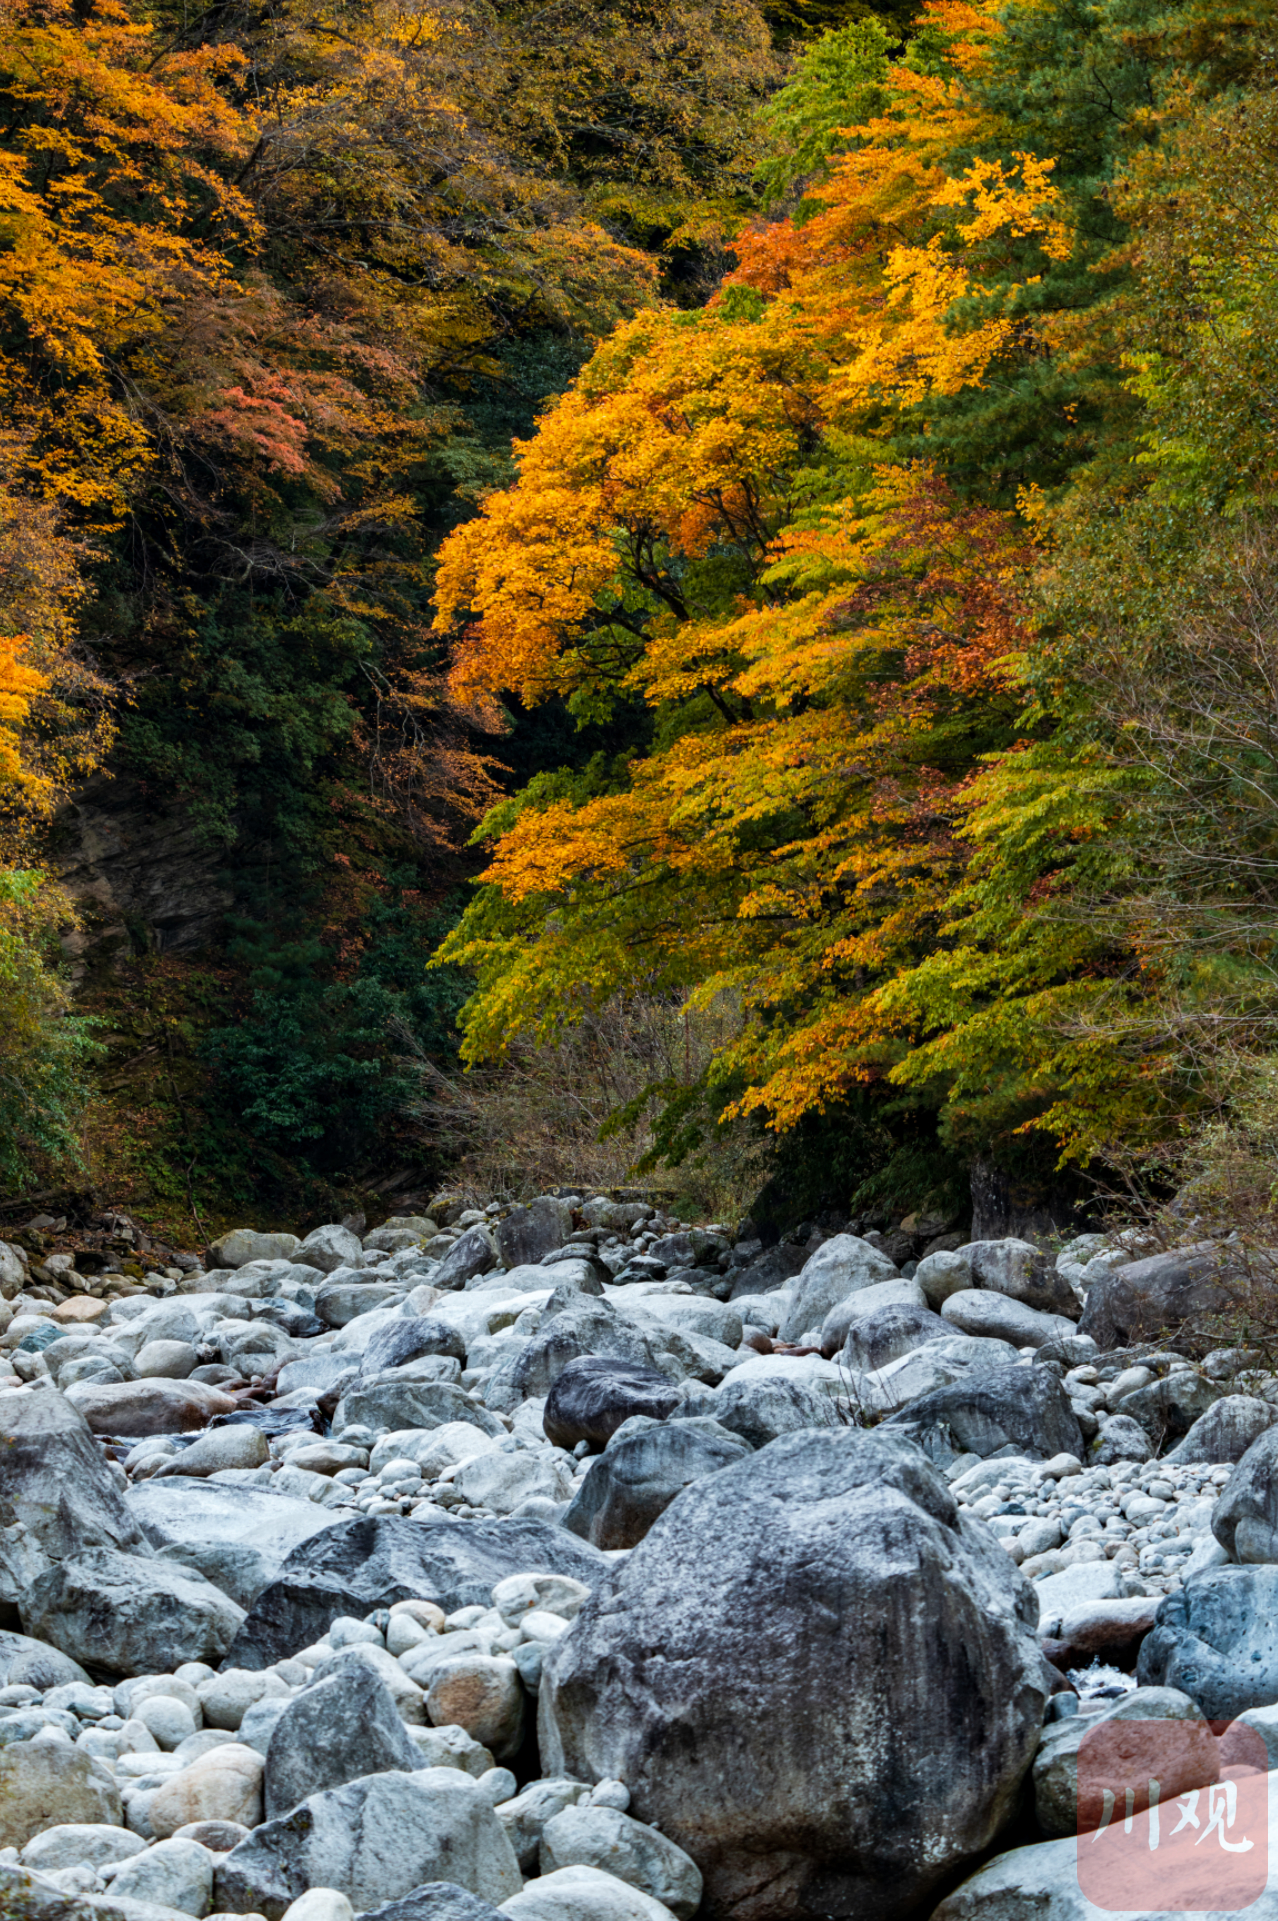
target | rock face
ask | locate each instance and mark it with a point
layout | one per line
(366, 1564)
(640, 1473)
(813, 1676)
(1216, 1640)
(592, 1397)
(1245, 1518)
(128, 1614)
(1151, 1297)
(373, 1840)
(57, 1495)
(334, 1732)
(763, 1408)
(42, 1785)
(1022, 1407)
(841, 1266)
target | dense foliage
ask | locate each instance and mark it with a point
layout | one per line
(937, 545)
(800, 475)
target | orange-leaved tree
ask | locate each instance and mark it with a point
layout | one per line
(826, 638)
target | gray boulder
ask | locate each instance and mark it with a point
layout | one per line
(841, 1266)
(763, 1407)
(768, 1270)
(1021, 1407)
(1168, 1408)
(328, 1248)
(386, 1404)
(525, 1815)
(130, 1614)
(820, 1600)
(474, 1252)
(529, 1233)
(57, 1494)
(1226, 1430)
(243, 1245)
(1121, 1439)
(593, 1395)
(982, 1312)
(344, 1726)
(1042, 1882)
(1159, 1295)
(46, 1786)
(579, 1327)
(639, 1474)
(1186, 1758)
(236, 1537)
(865, 1304)
(1023, 1273)
(1216, 1640)
(638, 1855)
(373, 1840)
(408, 1340)
(372, 1563)
(437, 1901)
(888, 1334)
(1245, 1518)
(341, 1301)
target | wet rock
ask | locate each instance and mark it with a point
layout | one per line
(592, 1396)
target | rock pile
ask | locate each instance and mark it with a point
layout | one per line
(575, 1563)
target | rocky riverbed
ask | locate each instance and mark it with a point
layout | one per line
(575, 1563)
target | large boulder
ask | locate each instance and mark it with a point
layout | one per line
(1168, 1407)
(1159, 1295)
(888, 1334)
(762, 1407)
(1023, 1273)
(926, 1369)
(388, 1402)
(1226, 1430)
(328, 1248)
(400, 1341)
(236, 1537)
(1021, 1407)
(529, 1233)
(45, 1786)
(1216, 1640)
(864, 1305)
(244, 1244)
(841, 1266)
(593, 1395)
(372, 1563)
(584, 1326)
(373, 1840)
(435, 1901)
(983, 1312)
(138, 1409)
(639, 1474)
(1186, 1757)
(768, 1271)
(344, 1726)
(583, 1894)
(471, 1254)
(57, 1494)
(814, 1676)
(130, 1614)
(1245, 1518)
(608, 1839)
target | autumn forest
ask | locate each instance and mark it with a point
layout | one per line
(685, 590)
